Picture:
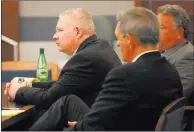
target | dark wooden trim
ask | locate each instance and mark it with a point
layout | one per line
(10, 26)
(137, 3)
(7, 52)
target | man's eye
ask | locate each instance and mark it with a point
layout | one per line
(60, 30)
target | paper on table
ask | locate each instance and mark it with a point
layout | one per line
(11, 112)
(29, 79)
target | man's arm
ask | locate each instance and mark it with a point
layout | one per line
(43, 84)
(109, 103)
(185, 70)
(73, 81)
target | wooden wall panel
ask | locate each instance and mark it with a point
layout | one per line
(7, 52)
(10, 26)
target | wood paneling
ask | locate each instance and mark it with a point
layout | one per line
(10, 19)
(10, 26)
(7, 52)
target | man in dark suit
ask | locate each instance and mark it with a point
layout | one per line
(177, 49)
(133, 95)
(83, 74)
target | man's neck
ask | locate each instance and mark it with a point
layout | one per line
(174, 43)
(177, 42)
(81, 41)
(141, 50)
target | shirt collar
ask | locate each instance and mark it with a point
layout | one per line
(143, 54)
(75, 51)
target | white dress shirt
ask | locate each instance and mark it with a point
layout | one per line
(75, 51)
(143, 54)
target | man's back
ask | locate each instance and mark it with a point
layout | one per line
(157, 85)
(134, 95)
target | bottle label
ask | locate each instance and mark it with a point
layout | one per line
(42, 74)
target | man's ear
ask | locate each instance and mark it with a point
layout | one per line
(78, 32)
(180, 31)
(131, 40)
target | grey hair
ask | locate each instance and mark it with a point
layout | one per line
(81, 18)
(141, 23)
(181, 18)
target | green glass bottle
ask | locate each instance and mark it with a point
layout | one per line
(42, 71)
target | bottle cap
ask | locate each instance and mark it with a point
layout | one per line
(41, 50)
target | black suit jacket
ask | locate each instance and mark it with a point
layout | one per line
(133, 96)
(82, 75)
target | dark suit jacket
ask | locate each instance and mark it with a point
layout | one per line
(133, 96)
(82, 75)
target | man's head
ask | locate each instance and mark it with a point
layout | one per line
(73, 27)
(173, 25)
(137, 31)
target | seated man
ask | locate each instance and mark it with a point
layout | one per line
(133, 95)
(174, 41)
(83, 74)
(178, 50)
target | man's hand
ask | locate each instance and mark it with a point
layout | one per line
(72, 123)
(6, 91)
(29, 84)
(14, 88)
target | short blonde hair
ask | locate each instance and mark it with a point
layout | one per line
(80, 17)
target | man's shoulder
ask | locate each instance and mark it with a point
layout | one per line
(123, 69)
(96, 47)
(78, 58)
(185, 51)
(99, 51)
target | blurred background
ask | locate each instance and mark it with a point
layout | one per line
(28, 26)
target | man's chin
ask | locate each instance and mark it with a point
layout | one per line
(124, 60)
(64, 51)
(60, 50)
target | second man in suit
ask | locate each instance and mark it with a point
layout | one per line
(174, 42)
(177, 48)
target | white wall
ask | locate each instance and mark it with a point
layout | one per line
(53, 8)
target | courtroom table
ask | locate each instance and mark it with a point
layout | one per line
(9, 121)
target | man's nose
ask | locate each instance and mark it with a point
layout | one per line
(118, 44)
(54, 36)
